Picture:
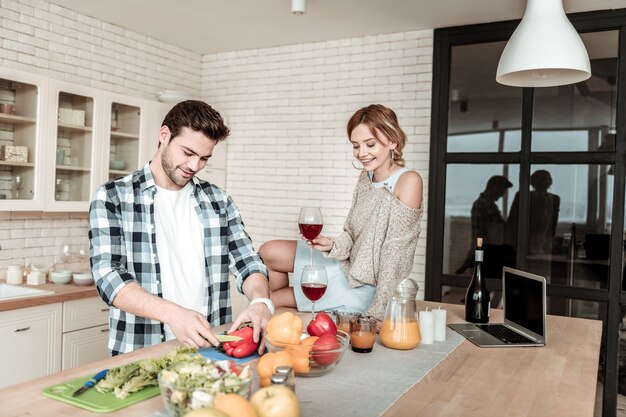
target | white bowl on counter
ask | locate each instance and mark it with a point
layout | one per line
(61, 277)
(83, 278)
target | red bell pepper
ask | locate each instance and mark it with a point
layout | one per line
(241, 348)
(322, 324)
(325, 349)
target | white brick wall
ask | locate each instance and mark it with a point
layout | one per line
(288, 107)
(43, 38)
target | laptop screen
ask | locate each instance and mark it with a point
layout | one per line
(524, 300)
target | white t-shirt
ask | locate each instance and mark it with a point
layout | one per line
(179, 241)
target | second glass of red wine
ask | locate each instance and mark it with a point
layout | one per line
(313, 283)
(311, 223)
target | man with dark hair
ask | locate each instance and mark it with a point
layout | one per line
(163, 241)
(487, 220)
(488, 223)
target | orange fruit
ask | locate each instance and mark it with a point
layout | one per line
(234, 405)
(309, 341)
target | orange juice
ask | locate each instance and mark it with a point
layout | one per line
(362, 341)
(400, 334)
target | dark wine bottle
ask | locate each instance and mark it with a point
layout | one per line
(477, 301)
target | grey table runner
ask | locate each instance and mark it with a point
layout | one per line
(367, 384)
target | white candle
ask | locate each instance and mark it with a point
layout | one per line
(440, 324)
(427, 327)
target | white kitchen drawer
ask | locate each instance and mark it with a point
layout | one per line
(85, 346)
(84, 313)
(31, 343)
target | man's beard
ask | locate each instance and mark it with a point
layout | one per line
(170, 169)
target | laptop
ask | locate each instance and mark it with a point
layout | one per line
(524, 298)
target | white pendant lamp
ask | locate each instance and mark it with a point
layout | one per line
(298, 7)
(545, 49)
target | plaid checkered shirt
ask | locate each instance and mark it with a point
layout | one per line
(123, 249)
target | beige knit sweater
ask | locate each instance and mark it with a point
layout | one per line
(378, 244)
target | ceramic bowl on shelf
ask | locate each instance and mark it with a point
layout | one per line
(83, 278)
(114, 164)
(321, 360)
(61, 277)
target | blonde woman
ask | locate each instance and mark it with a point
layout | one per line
(377, 246)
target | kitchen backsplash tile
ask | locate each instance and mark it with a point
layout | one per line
(38, 238)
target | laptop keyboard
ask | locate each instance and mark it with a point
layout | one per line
(505, 334)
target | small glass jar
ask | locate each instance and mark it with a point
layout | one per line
(400, 328)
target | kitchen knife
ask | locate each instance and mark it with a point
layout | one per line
(97, 377)
(227, 338)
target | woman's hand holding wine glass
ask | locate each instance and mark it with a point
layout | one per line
(310, 223)
(321, 243)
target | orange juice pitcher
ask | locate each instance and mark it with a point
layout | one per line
(400, 328)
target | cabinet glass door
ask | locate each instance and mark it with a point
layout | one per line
(74, 148)
(124, 140)
(18, 139)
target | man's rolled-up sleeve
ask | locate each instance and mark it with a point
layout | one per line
(107, 258)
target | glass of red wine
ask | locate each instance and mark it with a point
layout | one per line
(313, 283)
(311, 223)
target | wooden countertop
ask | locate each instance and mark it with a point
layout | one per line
(61, 293)
(556, 380)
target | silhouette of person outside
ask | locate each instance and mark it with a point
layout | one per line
(544, 215)
(487, 220)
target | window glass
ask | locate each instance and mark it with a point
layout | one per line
(478, 199)
(569, 224)
(580, 117)
(481, 111)
(504, 141)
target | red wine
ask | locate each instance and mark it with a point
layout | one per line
(313, 291)
(477, 300)
(310, 231)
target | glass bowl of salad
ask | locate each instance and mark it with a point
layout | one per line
(193, 384)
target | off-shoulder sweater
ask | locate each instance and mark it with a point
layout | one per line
(378, 244)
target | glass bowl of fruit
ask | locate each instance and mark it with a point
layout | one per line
(313, 355)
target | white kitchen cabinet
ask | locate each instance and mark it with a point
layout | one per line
(75, 135)
(85, 332)
(129, 125)
(31, 343)
(23, 118)
(71, 134)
